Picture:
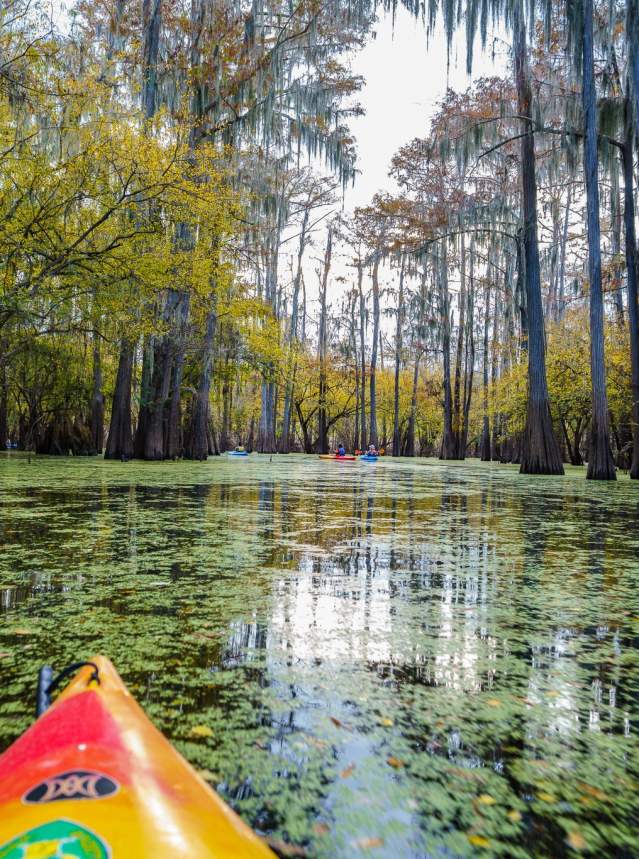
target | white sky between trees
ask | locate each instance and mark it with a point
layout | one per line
(406, 77)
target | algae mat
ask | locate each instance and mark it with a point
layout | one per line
(413, 660)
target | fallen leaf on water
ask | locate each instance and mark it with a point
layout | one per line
(546, 797)
(395, 762)
(593, 791)
(348, 771)
(513, 815)
(369, 843)
(576, 841)
(321, 828)
(336, 722)
(486, 799)
(478, 841)
(201, 731)
(493, 702)
(387, 723)
(466, 774)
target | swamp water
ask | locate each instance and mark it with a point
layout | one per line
(401, 659)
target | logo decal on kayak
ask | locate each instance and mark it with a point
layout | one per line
(58, 839)
(74, 784)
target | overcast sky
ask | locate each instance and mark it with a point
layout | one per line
(405, 78)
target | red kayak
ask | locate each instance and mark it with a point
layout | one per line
(92, 778)
(335, 458)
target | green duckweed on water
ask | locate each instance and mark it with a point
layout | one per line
(402, 660)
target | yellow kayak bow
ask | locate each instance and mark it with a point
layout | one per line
(92, 778)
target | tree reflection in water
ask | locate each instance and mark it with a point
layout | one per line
(421, 659)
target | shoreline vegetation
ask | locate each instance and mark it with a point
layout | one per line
(177, 276)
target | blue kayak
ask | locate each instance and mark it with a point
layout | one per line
(238, 453)
(368, 458)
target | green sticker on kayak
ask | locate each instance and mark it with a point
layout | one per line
(59, 839)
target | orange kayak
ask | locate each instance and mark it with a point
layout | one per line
(336, 458)
(92, 778)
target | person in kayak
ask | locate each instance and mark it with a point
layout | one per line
(372, 450)
(341, 450)
(239, 448)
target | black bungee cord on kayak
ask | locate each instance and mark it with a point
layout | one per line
(47, 683)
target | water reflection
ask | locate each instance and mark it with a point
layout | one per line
(410, 660)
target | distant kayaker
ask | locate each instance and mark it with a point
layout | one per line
(341, 450)
(372, 450)
(239, 448)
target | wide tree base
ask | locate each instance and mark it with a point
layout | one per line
(634, 465)
(601, 465)
(540, 451)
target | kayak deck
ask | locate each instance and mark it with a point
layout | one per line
(92, 778)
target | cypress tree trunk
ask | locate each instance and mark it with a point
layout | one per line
(600, 462)
(458, 453)
(266, 442)
(631, 263)
(120, 440)
(266, 427)
(173, 440)
(551, 298)
(145, 397)
(225, 431)
(353, 344)
(520, 292)
(285, 443)
(198, 443)
(161, 386)
(448, 440)
(615, 206)
(373, 370)
(323, 343)
(412, 420)
(496, 441)
(97, 400)
(469, 357)
(632, 117)
(362, 347)
(540, 452)
(4, 408)
(151, 20)
(398, 356)
(560, 307)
